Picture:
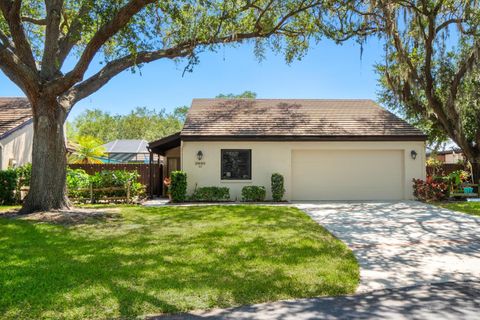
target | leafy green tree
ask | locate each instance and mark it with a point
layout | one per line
(243, 95)
(431, 68)
(38, 36)
(180, 113)
(140, 123)
(88, 150)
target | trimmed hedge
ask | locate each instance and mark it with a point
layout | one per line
(211, 194)
(278, 189)
(178, 186)
(8, 185)
(253, 193)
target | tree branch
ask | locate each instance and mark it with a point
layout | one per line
(448, 22)
(119, 21)
(18, 72)
(39, 22)
(11, 12)
(52, 34)
(98, 80)
(74, 32)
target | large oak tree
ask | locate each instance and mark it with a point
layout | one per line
(432, 57)
(47, 47)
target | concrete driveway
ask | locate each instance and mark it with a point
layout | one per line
(400, 244)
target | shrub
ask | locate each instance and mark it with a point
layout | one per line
(430, 190)
(211, 194)
(24, 174)
(456, 178)
(117, 178)
(78, 179)
(8, 185)
(178, 186)
(278, 189)
(253, 193)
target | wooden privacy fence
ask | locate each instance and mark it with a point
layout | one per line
(142, 169)
(446, 168)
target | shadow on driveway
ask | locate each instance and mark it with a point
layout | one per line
(437, 301)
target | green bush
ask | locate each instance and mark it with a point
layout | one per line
(178, 186)
(253, 193)
(24, 175)
(8, 185)
(211, 194)
(79, 179)
(278, 189)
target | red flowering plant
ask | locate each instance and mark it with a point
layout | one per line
(430, 190)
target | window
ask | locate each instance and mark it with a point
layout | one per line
(236, 164)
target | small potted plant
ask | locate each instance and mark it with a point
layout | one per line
(167, 182)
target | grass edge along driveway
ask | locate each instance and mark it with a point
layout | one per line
(144, 261)
(472, 208)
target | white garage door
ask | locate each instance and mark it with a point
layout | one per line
(347, 175)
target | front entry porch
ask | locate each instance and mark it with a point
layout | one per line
(168, 151)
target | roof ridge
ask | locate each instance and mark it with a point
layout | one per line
(298, 99)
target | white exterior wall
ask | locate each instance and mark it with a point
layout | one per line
(17, 146)
(270, 157)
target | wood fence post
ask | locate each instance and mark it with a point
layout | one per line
(91, 192)
(128, 191)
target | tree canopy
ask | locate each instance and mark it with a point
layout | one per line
(430, 71)
(38, 36)
(244, 95)
(140, 123)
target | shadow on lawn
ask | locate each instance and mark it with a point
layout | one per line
(154, 261)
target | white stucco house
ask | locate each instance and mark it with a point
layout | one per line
(325, 149)
(16, 132)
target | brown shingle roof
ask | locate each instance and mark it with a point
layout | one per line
(293, 118)
(14, 112)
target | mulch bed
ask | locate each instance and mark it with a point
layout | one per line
(72, 216)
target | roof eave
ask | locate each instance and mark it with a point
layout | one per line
(22, 125)
(187, 137)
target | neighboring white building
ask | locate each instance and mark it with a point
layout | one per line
(16, 132)
(325, 149)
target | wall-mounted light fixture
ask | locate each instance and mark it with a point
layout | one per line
(413, 154)
(199, 155)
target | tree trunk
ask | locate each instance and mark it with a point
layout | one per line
(49, 160)
(475, 170)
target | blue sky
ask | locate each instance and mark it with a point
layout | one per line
(327, 71)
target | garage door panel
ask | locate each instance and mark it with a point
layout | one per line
(347, 175)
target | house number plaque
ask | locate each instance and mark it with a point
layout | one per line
(199, 157)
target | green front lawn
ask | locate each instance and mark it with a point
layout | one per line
(154, 260)
(472, 208)
(7, 208)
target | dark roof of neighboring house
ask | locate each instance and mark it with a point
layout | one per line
(14, 114)
(295, 118)
(126, 146)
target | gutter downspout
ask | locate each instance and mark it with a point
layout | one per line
(1, 155)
